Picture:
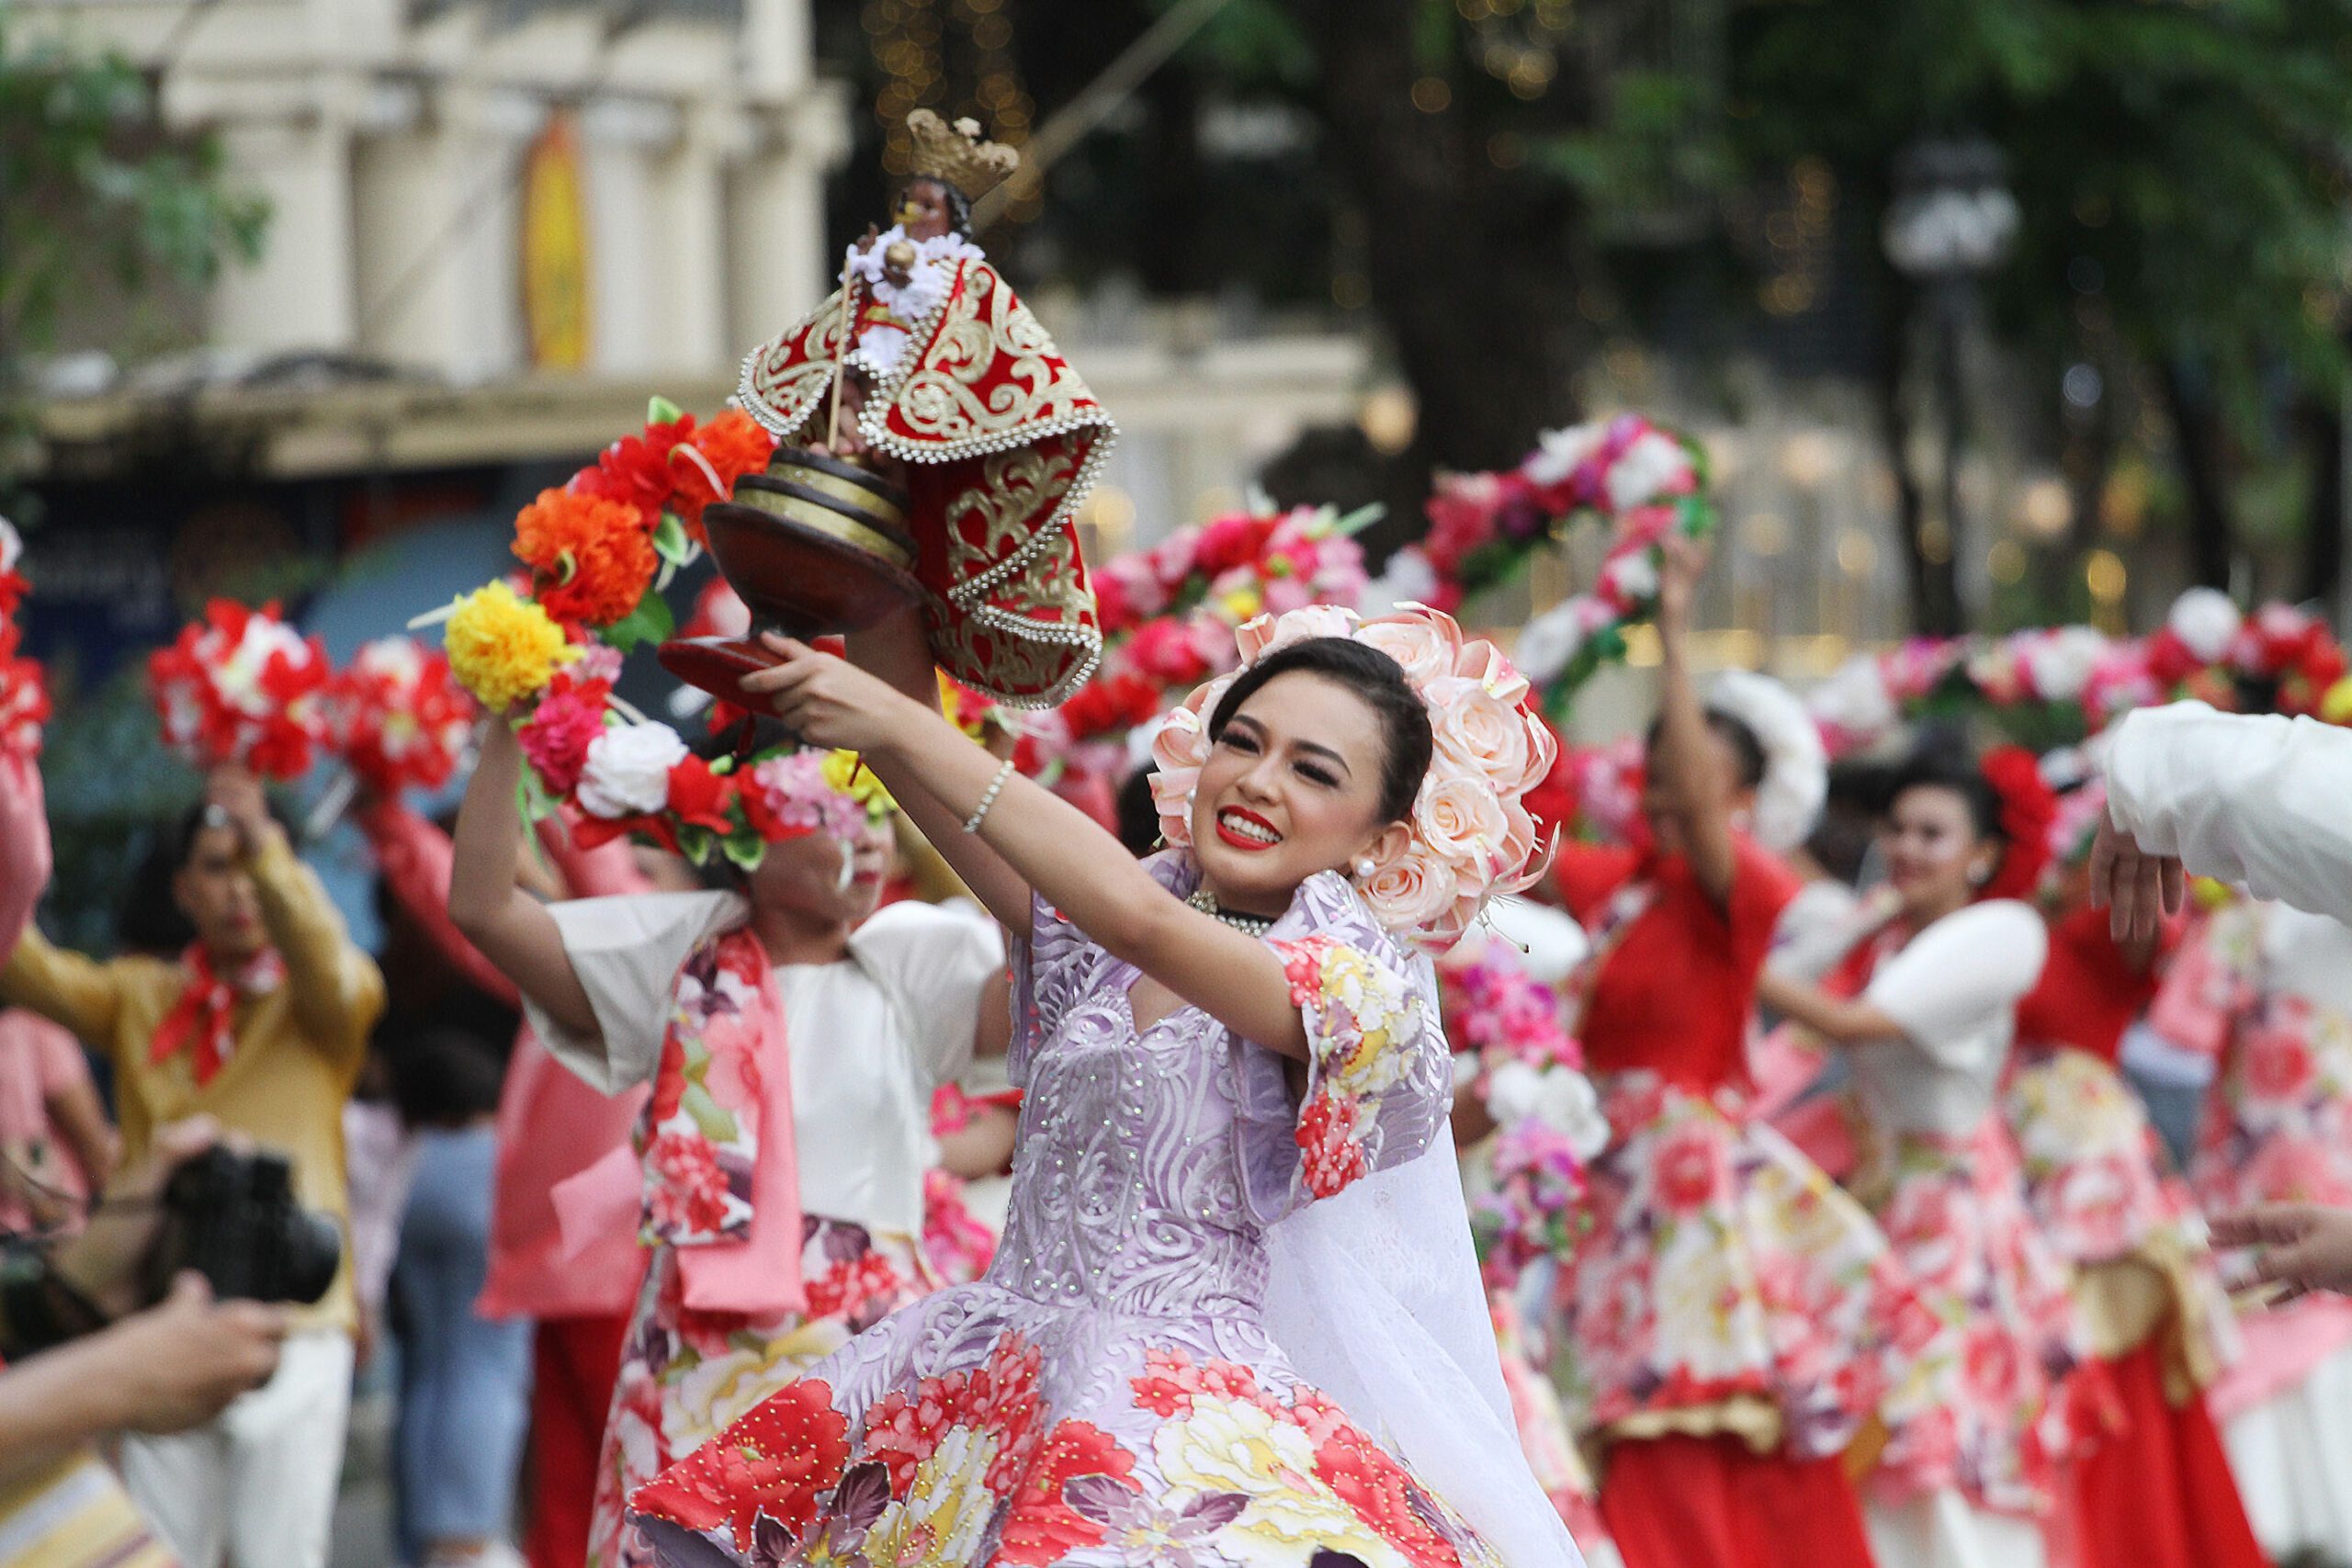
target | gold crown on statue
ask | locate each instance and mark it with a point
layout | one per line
(958, 154)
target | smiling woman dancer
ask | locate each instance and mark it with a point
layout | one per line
(1927, 1004)
(1232, 1151)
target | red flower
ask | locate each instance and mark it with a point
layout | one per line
(669, 1082)
(849, 1285)
(1042, 1529)
(635, 470)
(706, 465)
(1328, 1135)
(701, 797)
(2027, 808)
(591, 557)
(1377, 1488)
(1228, 542)
(1690, 1170)
(902, 1430)
(779, 1461)
(2279, 1064)
(691, 1194)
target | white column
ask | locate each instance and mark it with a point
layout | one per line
(298, 294)
(688, 300)
(781, 263)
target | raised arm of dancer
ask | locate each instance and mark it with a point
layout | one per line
(512, 928)
(1048, 843)
(25, 861)
(414, 858)
(2257, 800)
(896, 653)
(1701, 791)
(336, 991)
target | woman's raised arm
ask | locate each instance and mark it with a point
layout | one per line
(512, 930)
(1050, 844)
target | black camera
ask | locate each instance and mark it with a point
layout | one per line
(232, 1218)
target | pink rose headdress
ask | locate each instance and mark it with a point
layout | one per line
(1473, 836)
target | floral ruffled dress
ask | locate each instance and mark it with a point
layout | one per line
(1109, 1393)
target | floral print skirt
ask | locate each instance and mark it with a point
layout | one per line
(685, 1374)
(1543, 1427)
(2023, 1392)
(2098, 1182)
(1725, 1285)
(983, 1427)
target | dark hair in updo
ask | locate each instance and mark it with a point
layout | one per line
(1407, 743)
(1950, 767)
(1746, 751)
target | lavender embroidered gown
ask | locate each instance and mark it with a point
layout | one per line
(1109, 1394)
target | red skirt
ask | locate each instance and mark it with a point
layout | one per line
(1716, 1502)
(2159, 1492)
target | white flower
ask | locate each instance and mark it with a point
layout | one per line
(1562, 1099)
(1408, 579)
(12, 546)
(1652, 466)
(2203, 618)
(1559, 451)
(1855, 701)
(627, 769)
(1547, 643)
(1630, 578)
(2060, 663)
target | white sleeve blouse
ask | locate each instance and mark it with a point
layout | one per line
(2258, 800)
(869, 1037)
(1953, 989)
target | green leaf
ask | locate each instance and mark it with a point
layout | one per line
(744, 849)
(670, 540)
(660, 410)
(1363, 517)
(650, 621)
(694, 842)
(707, 1115)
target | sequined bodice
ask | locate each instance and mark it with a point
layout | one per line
(1126, 1187)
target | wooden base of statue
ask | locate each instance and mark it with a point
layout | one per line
(814, 546)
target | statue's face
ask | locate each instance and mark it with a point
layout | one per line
(924, 211)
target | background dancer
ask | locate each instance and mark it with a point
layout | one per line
(793, 1045)
(1926, 1004)
(1720, 1412)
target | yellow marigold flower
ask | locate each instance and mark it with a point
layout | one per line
(845, 775)
(2336, 706)
(503, 647)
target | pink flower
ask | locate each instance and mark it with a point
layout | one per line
(1462, 819)
(691, 1194)
(1482, 661)
(1268, 634)
(557, 737)
(1427, 644)
(1409, 890)
(1689, 1170)
(1485, 738)
(2279, 1064)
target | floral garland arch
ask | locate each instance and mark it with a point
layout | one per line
(1641, 480)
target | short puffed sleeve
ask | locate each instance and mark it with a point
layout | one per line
(1378, 1073)
(938, 962)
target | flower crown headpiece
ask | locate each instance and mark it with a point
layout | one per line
(1471, 835)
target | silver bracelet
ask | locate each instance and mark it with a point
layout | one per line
(996, 787)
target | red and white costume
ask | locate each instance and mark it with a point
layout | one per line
(1973, 1477)
(2156, 1493)
(1731, 1320)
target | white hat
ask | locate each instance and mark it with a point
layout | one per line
(1796, 767)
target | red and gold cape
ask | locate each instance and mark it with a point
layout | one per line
(1002, 440)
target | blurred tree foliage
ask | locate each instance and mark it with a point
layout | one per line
(1525, 173)
(93, 193)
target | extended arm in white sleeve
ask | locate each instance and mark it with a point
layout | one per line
(2257, 800)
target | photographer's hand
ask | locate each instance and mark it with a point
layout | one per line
(106, 1261)
(167, 1369)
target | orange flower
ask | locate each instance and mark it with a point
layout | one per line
(591, 558)
(733, 444)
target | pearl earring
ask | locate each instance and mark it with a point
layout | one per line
(1364, 866)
